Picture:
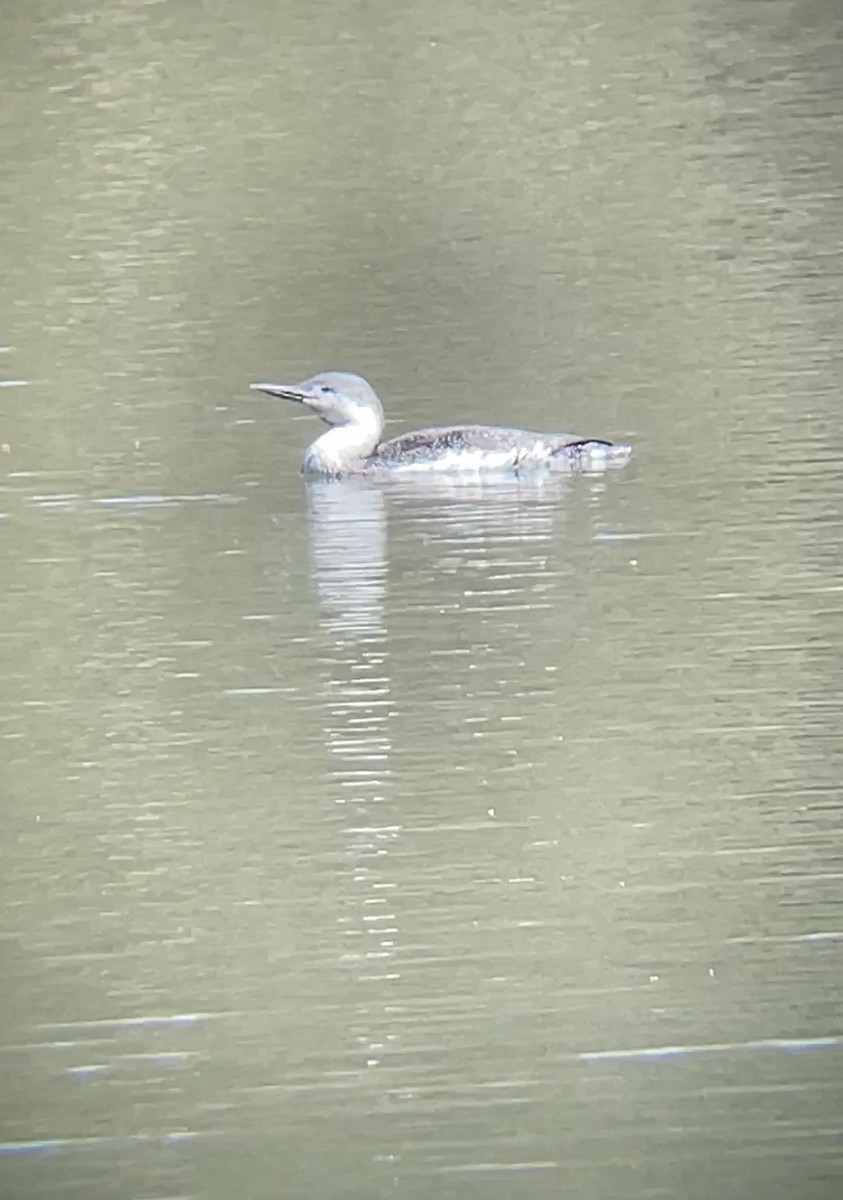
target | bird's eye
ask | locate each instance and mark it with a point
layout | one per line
(326, 390)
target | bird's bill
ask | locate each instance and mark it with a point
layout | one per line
(286, 391)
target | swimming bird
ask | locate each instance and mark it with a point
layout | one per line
(352, 445)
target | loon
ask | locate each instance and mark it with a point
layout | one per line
(353, 446)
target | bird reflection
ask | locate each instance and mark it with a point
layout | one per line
(349, 557)
(348, 546)
(347, 520)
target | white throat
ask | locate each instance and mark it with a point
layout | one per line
(341, 446)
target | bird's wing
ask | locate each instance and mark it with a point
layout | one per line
(423, 442)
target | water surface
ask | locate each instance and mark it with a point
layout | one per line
(457, 840)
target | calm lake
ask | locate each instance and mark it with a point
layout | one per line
(450, 841)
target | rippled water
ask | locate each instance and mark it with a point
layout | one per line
(440, 840)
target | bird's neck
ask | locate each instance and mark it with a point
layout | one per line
(342, 446)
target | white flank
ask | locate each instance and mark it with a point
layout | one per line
(461, 460)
